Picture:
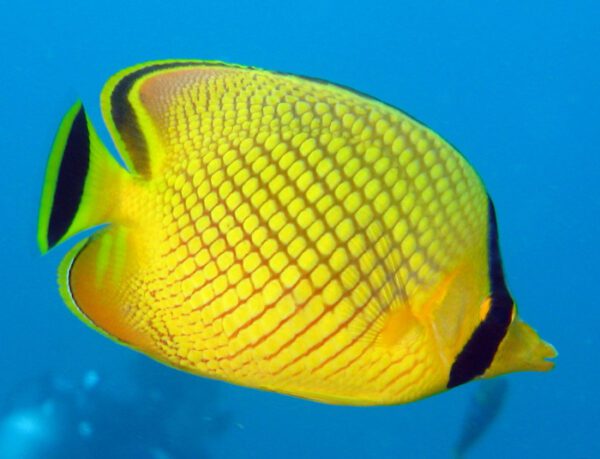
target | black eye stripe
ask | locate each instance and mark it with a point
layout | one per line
(477, 355)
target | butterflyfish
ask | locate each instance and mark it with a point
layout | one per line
(283, 233)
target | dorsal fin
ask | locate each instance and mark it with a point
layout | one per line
(135, 104)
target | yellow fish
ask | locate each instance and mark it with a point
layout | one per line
(282, 233)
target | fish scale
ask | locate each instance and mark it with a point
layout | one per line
(277, 232)
(264, 334)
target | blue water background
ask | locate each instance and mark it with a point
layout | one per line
(513, 84)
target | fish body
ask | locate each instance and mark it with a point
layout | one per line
(282, 233)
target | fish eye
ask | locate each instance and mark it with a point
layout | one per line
(485, 308)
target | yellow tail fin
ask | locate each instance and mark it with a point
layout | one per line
(82, 182)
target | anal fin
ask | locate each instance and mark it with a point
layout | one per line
(96, 279)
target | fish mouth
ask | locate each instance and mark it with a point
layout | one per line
(539, 354)
(522, 350)
(546, 353)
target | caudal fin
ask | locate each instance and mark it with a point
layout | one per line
(82, 182)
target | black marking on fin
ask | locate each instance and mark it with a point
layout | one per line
(478, 354)
(127, 124)
(125, 119)
(73, 171)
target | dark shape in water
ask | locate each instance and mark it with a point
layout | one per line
(484, 407)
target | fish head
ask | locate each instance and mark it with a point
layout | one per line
(522, 349)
